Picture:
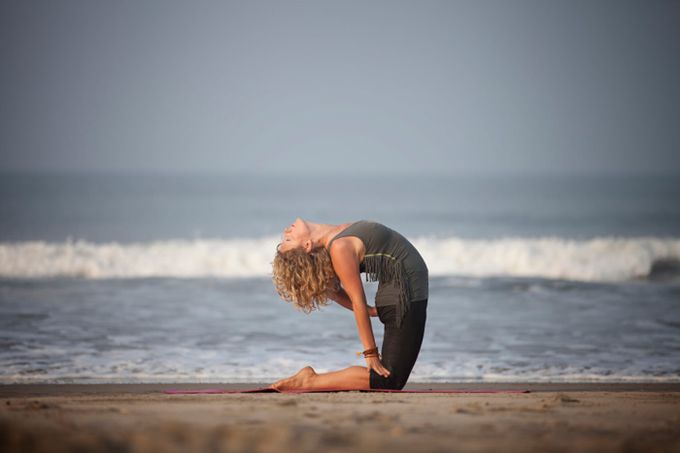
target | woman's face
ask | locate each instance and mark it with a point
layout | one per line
(295, 235)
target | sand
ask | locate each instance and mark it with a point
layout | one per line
(139, 418)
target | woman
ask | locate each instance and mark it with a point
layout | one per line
(318, 261)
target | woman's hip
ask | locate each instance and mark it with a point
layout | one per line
(416, 313)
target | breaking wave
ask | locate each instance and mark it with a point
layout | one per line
(605, 259)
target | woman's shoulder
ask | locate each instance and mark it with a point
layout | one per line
(356, 229)
(353, 236)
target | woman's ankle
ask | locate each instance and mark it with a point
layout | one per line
(309, 378)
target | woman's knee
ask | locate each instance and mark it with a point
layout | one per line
(392, 382)
(396, 382)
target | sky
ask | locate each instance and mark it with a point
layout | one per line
(341, 86)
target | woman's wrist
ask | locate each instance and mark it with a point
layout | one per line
(371, 352)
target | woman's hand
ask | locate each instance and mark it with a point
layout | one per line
(374, 364)
(372, 311)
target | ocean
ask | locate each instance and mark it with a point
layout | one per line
(142, 277)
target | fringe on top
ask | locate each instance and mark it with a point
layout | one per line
(385, 268)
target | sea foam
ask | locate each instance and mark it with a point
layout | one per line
(604, 259)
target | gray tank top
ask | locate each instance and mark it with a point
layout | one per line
(393, 261)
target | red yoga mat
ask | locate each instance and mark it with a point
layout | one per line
(271, 390)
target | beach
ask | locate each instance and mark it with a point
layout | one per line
(140, 418)
(576, 303)
(515, 163)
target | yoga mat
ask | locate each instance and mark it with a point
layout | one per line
(271, 390)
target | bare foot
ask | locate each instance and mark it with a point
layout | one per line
(299, 380)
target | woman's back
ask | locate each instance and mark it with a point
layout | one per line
(393, 261)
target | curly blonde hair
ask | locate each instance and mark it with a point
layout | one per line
(304, 278)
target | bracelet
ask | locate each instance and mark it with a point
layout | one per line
(373, 352)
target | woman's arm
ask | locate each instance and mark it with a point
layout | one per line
(342, 298)
(346, 265)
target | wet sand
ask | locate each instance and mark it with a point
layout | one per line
(140, 418)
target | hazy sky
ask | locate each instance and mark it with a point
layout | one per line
(446, 86)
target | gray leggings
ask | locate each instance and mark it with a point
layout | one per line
(401, 345)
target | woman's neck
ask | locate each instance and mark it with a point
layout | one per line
(322, 233)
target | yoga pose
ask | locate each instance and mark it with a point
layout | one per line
(315, 262)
